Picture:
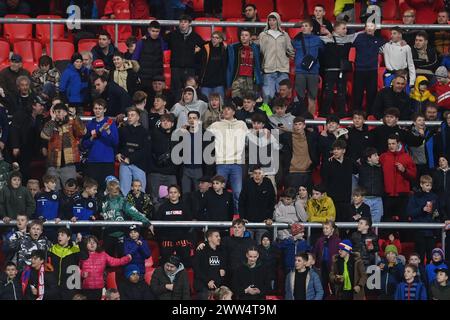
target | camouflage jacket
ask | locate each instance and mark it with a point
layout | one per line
(27, 246)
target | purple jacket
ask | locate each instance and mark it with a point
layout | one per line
(333, 248)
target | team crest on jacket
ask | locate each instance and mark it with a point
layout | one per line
(214, 261)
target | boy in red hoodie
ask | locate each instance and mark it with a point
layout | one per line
(398, 170)
(441, 89)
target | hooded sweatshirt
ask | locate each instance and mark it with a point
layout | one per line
(289, 214)
(419, 97)
(181, 109)
(287, 120)
(212, 115)
(276, 47)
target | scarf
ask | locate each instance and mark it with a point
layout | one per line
(347, 283)
(26, 278)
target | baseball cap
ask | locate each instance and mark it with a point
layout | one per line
(98, 63)
(15, 58)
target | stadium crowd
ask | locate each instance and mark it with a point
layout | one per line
(144, 156)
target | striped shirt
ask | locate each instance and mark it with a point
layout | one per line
(410, 291)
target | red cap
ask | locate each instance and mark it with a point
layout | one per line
(98, 64)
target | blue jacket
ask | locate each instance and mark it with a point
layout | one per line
(138, 253)
(290, 249)
(430, 270)
(47, 205)
(391, 277)
(415, 209)
(314, 289)
(421, 291)
(102, 148)
(367, 49)
(84, 208)
(72, 86)
(234, 59)
(313, 45)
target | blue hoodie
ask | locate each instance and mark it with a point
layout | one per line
(290, 249)
(313, 45)
(102, 148)
(367, 50)
(430, 270)
(138, 253)
(72, 86)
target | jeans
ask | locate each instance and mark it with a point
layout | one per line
(232, 173)
(271, 81)
(376, 208)
(189, 181)
(207, 91)
(128, 173)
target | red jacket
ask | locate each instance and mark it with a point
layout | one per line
(442, 93)
(396, 182)
(95, 266)
(139, 9)
(121, 10)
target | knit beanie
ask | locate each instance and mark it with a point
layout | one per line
(346, 245)
(438, 251)
(391, 248)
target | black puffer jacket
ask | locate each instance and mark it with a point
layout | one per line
(183, 48)
(135, 291)
(151, 59)
(371, 179)
(161, 145)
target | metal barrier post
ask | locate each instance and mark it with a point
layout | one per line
(51, 40)
(116, 34)
(443, 236)
(308, 239)
(275, 232)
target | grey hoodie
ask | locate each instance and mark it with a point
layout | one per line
(289, 214)
(275, 51)
(287, 120)
(172, 275)
(181, 110)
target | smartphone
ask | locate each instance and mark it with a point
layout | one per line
(280, 124)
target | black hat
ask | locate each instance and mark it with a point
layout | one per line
(158, 77)
(205, 179)
(175, 260)
(76, 56)
(60, 106)
(40, 100)
(133, 227)
(441, 270)
(15, 58)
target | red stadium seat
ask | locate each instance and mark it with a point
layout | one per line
(18, 31)
(290, 9)
(86, 44)
(205, 32)
(62, 50)
(4, 54)
(154, 247)
(231, 33)
(231, 9)
(149, 274)
(328, 4)
(122, 46)
(167, 54)
(43, 30)
(352, 54)
(292, 32)
(198, 5)
(264, 7)
(390, 10)
(30, 51)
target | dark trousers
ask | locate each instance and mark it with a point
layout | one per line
(395, 206)
(113, 245)
(93, 294)
(332, 79)
(179, 75)
(297, 179)
(342, 211)
(365, 81)
(99, 171)
(424, 245)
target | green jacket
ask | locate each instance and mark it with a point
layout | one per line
(61, 258)
(14, 201)
(115, 209)
(5, 170)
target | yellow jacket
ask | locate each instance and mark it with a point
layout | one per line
(340, 5)
(321, 210)
(426, 95)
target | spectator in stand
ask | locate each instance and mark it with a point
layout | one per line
(214, 65)
(329, 135)
(125, 73)
(441, 187)
(289, 210)
(192, 81)
(359, 209)
(244, 72)
(117, 99)
(10, 283)
(336, 65)
(100, 142)
(325, 249)
(276, 50)
(426, 9)
(371, 180)
(303, 155)
(251, 15)
(14, 7)
(441, 89)
(229, 155)
(257, 201)
(214, 111)
(319, 21)
(140, 200)
(140, 101)
(175, 240)
(410, 289)
(251, 281)
(170, 281)
(84, 206)
(423, 206)
(414, 258)
(162, 170)
(307, 44)
(68, 197)
(136, 246)
(131, 47)
(365, 241)
(134, 287)
(440, 39)
(156, 111)
(118, 9)
(337, 177)
(45, 79)
(87, 59)
(421, 95)
(104, 50)
(149, 54)
(398, 56)
(158, 88)
(440, 289)
(392, 270)
(378, 137)
(197, 197)
(25, 140)
(62, 135)
(14, 198)
(93, 266)
(47, 204)
(132, 150)
(320, 208)
(34, 240)
(184, 44)
(424, 56)
(445, 135)
(431, 114)
(280, 119)
(398, 170)
(348, 273)
(295, 106)
(437, 261)
(189, 102)
(209, 266)
(367, 46)
(393, 96)
(270, 256)
(303, 283)
(74, 83)
(23, 99)
(409, 35)
(9, 75)
(295, 243)
(249, 108)
(216, 204)
(358, 138)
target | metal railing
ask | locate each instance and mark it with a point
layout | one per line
(211, 24)
(227, 224)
